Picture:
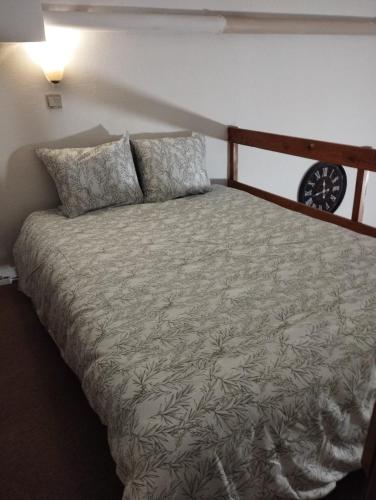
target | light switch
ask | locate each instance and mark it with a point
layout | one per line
(54, 101)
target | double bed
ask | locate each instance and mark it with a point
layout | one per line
(227, 343)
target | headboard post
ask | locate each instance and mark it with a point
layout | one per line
(232, 174)
(359, 195)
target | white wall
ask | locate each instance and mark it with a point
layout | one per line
(309, 86)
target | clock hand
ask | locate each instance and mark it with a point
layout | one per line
(322, 192)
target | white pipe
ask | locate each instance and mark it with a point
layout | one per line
(134, 21)
(202, 21)
(300, 25)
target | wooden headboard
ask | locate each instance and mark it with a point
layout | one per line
(361, 158)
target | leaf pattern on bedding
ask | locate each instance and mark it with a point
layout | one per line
(91, 178)
(171, 167)
(227, 343)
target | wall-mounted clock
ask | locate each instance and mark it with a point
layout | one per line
(323, 186)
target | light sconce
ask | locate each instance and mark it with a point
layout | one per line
(55, 53)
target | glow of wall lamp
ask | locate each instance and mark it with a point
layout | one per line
(55, 53)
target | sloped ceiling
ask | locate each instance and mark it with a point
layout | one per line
(21, 21)
(116, 17)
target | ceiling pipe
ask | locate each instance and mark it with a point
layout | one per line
(149, 22)
(283, 24)
(110, 18)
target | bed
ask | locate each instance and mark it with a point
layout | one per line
(227, 343)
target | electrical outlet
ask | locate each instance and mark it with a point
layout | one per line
(8, 274)
(54, 101)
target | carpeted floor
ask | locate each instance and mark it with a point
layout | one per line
(52, 445)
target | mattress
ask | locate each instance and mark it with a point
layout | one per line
(227, 343)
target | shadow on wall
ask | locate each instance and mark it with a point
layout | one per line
(28, 187)
(131, 100)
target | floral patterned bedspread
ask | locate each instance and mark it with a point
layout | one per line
(227, 343)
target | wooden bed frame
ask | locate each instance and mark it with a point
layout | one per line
(361, 158)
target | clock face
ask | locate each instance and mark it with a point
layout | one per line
(323, 186)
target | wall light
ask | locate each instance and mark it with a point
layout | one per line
(55, 53)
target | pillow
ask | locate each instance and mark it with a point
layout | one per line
(171, 167)
(91, 178)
